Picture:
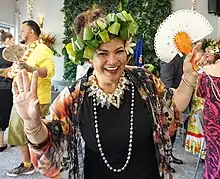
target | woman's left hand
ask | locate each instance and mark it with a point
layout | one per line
(199, 59)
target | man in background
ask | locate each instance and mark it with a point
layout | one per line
(38, 57)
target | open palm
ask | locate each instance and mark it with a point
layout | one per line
(25, 97)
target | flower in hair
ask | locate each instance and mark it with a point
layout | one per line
(214, 45)
(129, 46)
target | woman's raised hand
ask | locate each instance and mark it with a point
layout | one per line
(25, 98)
(197, 56)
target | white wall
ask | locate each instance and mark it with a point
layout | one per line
(7, 9)
(53, 23)
(53, 18)
(59, 68)
(201, 7)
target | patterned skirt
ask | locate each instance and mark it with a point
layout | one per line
(195, 142)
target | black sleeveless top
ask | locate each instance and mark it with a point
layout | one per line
(114, 135)
(5, 83)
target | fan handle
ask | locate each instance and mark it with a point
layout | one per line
(183, 44)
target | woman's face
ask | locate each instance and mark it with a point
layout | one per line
(209, 56)
(9, 41)
(109, 61)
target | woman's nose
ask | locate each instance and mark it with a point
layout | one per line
(206, 54)
(112, 59)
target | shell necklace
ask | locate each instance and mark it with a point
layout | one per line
(95, 116)
(108, 99)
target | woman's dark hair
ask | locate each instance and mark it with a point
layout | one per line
(85, 19)
(34, 26)
(4, 35)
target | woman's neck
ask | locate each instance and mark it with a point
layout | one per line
(108, 88)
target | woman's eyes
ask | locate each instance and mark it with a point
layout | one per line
(103, 54)
(120, 51)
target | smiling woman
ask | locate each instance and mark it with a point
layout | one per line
(109, 63)
(115, 121)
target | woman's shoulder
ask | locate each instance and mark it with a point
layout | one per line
(130, 67)
(139, 71)
(142, 78)
(78, 87)
(212, 70)
(1, 51)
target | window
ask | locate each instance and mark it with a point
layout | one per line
(7, 27)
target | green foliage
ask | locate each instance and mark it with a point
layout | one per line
(148, 14)
(69, 67)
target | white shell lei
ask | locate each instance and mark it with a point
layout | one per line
(104, 99)
(131, 131)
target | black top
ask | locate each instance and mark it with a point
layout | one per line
(114, 135)
(5, 83)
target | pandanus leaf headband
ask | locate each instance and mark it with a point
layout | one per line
(118, 24)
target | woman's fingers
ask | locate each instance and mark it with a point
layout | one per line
(193, 54)
(202, 61)
(20, 82)
(26, 81)
(197, 47)
(189, 57)
(197, 57)
(34, 83)
(15, 88)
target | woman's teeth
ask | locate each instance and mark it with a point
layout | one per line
(111, 69)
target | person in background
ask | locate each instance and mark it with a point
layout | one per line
(208, 89)
(171, 74)
(194, 142)
(38, 57)
(6, 96)
(115, 121)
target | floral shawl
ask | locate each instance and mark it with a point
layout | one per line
(65, 149)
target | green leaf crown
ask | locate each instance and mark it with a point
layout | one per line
(118, 24)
